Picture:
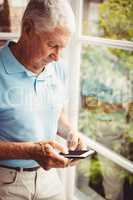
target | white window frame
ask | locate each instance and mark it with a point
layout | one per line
(9, 36)
(74, 57)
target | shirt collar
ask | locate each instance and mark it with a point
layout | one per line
(47, 72)
(12, 65)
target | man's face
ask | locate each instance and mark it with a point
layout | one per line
(46, 47)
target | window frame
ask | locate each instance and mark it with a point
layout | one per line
(75, 51)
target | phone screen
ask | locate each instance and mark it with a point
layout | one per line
(80, 154)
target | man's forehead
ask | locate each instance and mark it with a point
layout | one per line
(56, 33)
(57, 36)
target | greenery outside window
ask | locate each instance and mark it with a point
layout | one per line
(106, 88)
(108, 18)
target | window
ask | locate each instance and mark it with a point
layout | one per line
(99, 176)
(110, 19)
(103, 49)
(106, 96)
(10, 18)
(10, 14)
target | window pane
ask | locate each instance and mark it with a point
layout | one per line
(10, 14)
(108, 18)
(106, 112)
(99, 178)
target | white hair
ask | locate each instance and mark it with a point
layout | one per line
(48, 14)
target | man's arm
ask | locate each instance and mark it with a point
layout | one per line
(65, 130)
(64, 126)
(45, 153)
(16, 150)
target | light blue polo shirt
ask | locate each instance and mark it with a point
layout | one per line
(30, 104)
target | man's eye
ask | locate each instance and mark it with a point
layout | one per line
(51, 45)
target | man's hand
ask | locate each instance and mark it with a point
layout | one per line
(75, 141)
(45, 153)
(65, 130)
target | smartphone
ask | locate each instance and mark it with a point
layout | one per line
(79, 154)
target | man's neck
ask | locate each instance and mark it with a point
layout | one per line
(22, 56)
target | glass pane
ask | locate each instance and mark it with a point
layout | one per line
(98, 178)
(106, 111)
(108, 18)
(10, 14)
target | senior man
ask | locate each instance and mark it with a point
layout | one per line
(33, 85)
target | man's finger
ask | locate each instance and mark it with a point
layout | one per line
(58, 146)
(72, 142)
(74, 162)
(55, 156)
(81, 144)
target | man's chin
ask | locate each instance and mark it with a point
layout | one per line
(48, 62)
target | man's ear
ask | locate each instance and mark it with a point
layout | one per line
(28, 28)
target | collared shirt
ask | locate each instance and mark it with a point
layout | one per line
(30, 104)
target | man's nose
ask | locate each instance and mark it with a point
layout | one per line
(56, 54)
